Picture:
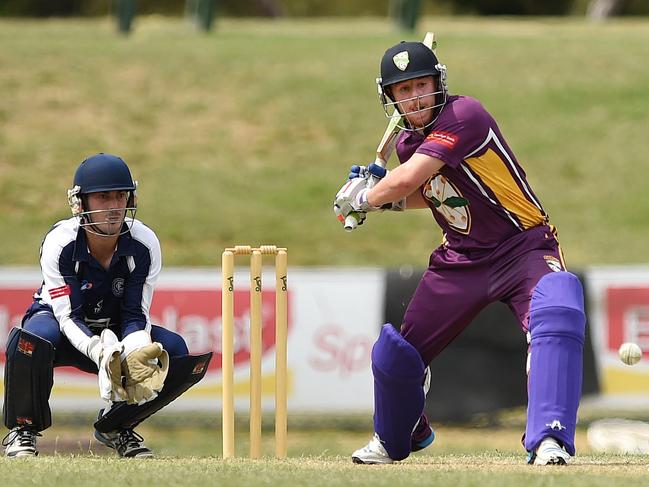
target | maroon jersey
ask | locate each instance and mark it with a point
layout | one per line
(481, 196)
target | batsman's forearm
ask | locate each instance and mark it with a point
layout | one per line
(389, 190)
(404, 180)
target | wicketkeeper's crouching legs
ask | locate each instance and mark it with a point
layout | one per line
(557, 328)
(184, 372)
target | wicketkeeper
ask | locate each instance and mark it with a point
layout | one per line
(497, 245)
(91, 312)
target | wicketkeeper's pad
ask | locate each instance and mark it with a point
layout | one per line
(29, 375)
(184, 372)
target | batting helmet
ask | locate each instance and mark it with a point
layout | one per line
(99, 173)
(103, 172)
(409, 60)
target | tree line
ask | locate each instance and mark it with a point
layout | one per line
(308, 8)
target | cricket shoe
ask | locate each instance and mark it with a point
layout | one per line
(126, 442)
(20, 442)
(422, 436)
(549, 452)
(373, 453)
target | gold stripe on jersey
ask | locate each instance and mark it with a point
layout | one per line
(494, 173)
(555, 234)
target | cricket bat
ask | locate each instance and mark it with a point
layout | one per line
(388, 141)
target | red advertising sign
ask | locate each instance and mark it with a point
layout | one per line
(14, 301)
(628, 316)
(193, 313)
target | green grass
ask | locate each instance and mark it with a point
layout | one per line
(191, 456)
(245, 134)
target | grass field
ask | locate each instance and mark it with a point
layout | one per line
(191, 456)
(245, 134)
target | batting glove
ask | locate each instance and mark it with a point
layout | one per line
(353, 197)
(366, 171)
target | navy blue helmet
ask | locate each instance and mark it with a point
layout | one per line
(103, 172)
(100, 173)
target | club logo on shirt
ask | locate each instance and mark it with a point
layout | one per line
(118, 287)
(444, 138)
(401, 60)
(553, 263)
(449, 202)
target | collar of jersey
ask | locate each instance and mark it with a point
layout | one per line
(125, 246)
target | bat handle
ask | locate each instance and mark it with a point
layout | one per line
(350, 222)
(375, 177)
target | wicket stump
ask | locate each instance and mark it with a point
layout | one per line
(227, 347)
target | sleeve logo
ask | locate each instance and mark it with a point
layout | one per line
(444, 138)
(58, 292)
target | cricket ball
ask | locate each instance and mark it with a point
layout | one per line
(630, 353)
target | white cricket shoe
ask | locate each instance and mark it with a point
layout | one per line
(549, 452)
(20, 442)
(373, 453)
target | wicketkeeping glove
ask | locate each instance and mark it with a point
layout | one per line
(145, 369)
(105, 351)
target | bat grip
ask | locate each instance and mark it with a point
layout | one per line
(371, 182)
(376, 175)
(350, 223)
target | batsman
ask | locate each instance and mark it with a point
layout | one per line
(99, 271)
(497, 245)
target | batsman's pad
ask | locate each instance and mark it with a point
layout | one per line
(399, 376)
(184, 372)
(29, 375)
(557, 329)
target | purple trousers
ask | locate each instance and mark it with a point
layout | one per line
(455, 288)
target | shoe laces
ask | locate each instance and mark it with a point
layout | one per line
(24, 437)
(127, 439)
